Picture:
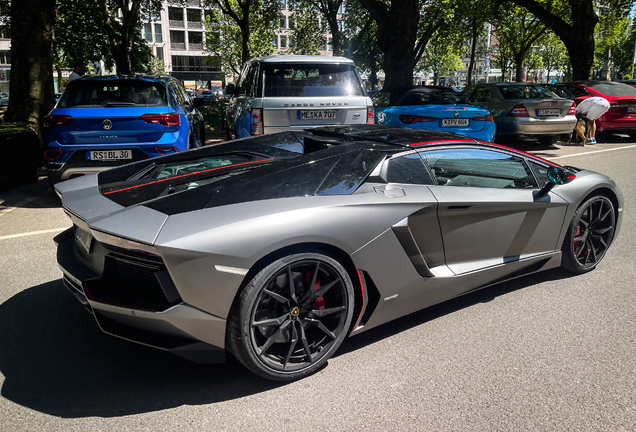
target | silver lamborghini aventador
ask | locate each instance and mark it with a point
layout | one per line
(275, 248)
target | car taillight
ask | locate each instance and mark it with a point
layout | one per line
(572, 110)
(52, 154)
(487, 118)
(52, 120)
(257, 121)
(170, 119)
(165, 150)
(519, 111)
(410, 119)
(370, 115)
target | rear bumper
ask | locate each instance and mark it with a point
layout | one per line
(532, 126)
(621, 125)
(181, 329)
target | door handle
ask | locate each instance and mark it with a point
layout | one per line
(458, 207)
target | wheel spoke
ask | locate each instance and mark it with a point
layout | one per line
(303, 340)
(292, 291)
(310, 289)
(320, 291)
(600, 239)
(601, 231)
(324, 312)
(292, 345)
(273, 337)
(607, 213)
(276, 296)
(579, 238)
(592, 249)
(321, 326)
(271, 322)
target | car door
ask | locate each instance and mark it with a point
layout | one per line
(489, 212)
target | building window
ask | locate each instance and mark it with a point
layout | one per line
(195, 41)
(283, 22)
(158, 35)
(282, 4)
(194, 15)
(330, 44)
(195, 64)
(177, 40)
(148, 32)
(175, 14)
(160, 53)
(283, 42)
(5, 57)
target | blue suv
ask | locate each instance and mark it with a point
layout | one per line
(102, 122)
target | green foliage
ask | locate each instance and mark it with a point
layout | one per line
(442, 54)
(362, 40)
(623, 53)
(308, 37)
(553, 54)
(224, 38)
(155, 66)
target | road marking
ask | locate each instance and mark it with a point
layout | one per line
(593, 152)
(6, 210)
(26, 234)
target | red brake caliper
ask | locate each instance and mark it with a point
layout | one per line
(319, 303)
(576, 244)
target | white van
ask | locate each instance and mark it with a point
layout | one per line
(294, 92)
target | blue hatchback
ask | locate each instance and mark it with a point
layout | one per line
(101, 122)
(434, 108)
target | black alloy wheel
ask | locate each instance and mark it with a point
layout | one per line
(292, 316)
(589, 235)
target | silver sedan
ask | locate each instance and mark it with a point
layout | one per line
(524, 109)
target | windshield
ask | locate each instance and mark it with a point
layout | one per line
(430, 97)
(526, 92)
(99, 94)
(613, 89)
(308, 79)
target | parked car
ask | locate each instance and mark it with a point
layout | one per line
(101, 122)
(208, 96)
(524, 109)
(434, 108)
(278, 247)
(21, 154)
(631, 82)
(295, 92)
(560, 91)
(4, 98)
(621, 117)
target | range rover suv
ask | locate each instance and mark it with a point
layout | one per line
(292, 92)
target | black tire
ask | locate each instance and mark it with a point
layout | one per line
(548, 140)
(589, 235)
(298, 332)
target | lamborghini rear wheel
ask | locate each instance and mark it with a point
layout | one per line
(292, 316)
(589, 235)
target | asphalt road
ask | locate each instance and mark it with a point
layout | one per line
(547, 352)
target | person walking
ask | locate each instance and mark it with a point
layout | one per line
(78, 71)
(591, 109)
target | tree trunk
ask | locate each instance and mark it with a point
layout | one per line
(397, 34)
(473, 49)
(31, 85)
(59, 79)
(332, 19)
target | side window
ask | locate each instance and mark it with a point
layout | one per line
(468, 94)
(481, 94)
(576, 91)
(540, 172)
(176, 94)
(381, 99)
(250, 81)
(479, 168)
(408, 169)
(241, 80)
(182, 94)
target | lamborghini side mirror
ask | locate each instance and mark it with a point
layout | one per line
(557, 176)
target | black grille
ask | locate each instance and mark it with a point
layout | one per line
(134, 280)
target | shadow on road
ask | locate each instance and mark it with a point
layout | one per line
(33, 195)
(56, 360)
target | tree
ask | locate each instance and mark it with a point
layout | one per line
(553, 53)
(611, 30)
(31, 85)
(574, 21)
(308, 37)
(404, 29)
(329, 10)
(225, 39)
(442, 54)
(248, 15)
(518, 30)
(362, 41)
(623, 53)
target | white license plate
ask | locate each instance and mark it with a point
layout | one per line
(107, 155)
(455, 122)
(317, 115)
(84, 238)
(548, 112)
(631, 109)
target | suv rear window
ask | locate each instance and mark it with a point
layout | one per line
(526, 92)
(99, 94)
(309, 79)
